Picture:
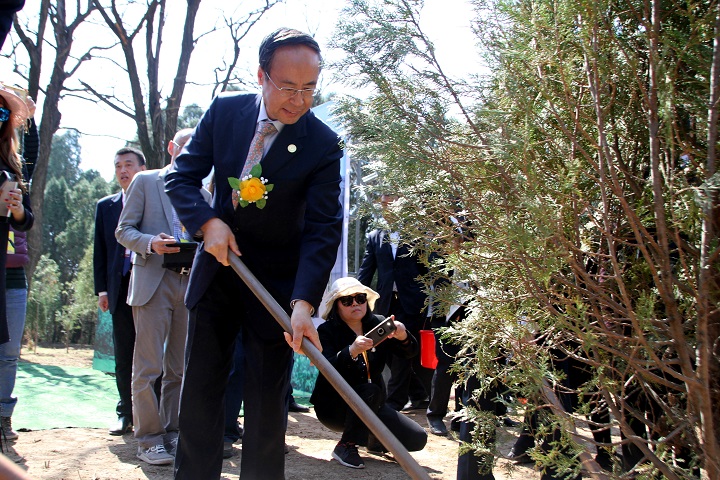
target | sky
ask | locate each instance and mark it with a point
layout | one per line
(104, 131)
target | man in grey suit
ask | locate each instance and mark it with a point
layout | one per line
(149, 226)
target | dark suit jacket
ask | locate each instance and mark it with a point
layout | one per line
(292, 243)
(109, 255)
(404, 270)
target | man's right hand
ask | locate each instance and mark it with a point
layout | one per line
(160, 244)
(103, 303)
(217, 238)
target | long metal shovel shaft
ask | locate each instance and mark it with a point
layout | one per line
(403, 457)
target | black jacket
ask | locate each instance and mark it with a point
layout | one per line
(403, 271)
(336, 337)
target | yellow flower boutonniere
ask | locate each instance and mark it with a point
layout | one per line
(252, 188)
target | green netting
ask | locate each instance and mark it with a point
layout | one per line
(61, 397)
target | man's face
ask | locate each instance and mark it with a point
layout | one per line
(126, 166)
(175, 146)
(295, 66)
(386, 202)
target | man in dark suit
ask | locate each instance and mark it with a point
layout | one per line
(111, 266)
(402, 295)
(288, 238)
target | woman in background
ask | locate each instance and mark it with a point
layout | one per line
(14, 211)
(347, 308)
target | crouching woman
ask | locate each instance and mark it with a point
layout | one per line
(347, 307)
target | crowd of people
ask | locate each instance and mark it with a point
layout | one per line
(185, 325)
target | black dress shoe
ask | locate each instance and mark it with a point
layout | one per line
(297, 408)
(455, 423)
(228, 450)
(519, 458)
(416, 405)
(124, 425)
(509, 422)
(437, 426)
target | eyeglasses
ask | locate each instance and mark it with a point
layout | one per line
(359, 298)
(287, 92)
(4, 114)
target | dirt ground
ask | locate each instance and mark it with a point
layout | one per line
(91, 454)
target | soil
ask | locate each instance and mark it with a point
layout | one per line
(91, 454)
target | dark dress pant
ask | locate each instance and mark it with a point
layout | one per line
(215, 322)
(471, 467)
(339, 417)
(124, 346)
(408, 379)
(443, 379)
(234, 392)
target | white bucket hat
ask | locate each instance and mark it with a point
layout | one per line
(342, 287)
(16, 105)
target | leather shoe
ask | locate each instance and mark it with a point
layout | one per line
(455, 423)
(124, 425)
(509, 422)
(416, 405)
(297, 408)
(437, 426)
(519, 458)
(228, 450)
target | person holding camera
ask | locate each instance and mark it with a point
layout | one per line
(14, 212)
(347, 342)
(150, 228)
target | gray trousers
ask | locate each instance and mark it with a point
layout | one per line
(161, 329)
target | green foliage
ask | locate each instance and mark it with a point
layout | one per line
(190, 117)
(44, 300)
(68, 224)
(65, 157)
(576, 169)
(76, 238)
(81, 313)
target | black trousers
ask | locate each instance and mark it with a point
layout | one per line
(124, 346)
(215, 322)
(443, 379)
(408, 379)
(471, 467)
(338, 416)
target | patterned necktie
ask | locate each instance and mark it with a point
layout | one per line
(255, 153)
(179, 231)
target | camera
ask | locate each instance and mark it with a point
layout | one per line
(381, 331)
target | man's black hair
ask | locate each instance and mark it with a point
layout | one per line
(134, 151)
(284, 37)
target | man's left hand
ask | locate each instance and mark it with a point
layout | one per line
(302, 326)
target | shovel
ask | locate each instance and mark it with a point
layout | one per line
(401, 455)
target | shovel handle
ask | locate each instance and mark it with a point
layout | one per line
(400, 453)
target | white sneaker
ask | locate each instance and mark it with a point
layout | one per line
(155, 455)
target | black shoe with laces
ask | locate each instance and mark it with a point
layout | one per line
(347, 454)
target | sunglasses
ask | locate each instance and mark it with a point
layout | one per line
(4, 114)
(359, 298)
